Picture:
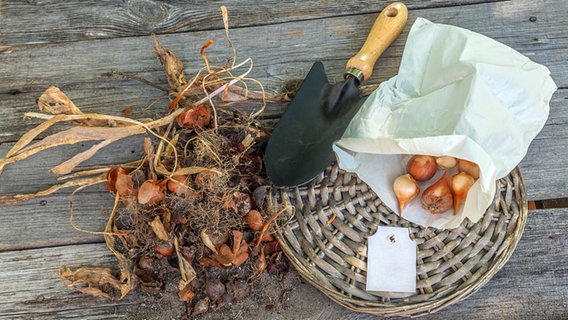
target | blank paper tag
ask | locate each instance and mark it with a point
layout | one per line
(391, 261)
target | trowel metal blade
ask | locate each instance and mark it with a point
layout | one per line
(301, 145)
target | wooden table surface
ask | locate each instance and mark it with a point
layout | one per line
(76, 44)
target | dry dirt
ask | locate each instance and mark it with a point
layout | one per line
(271, 298)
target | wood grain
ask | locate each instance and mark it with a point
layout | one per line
(31, 287)
(81, 68)
(532, 285)
(86, 20)
(76, 44)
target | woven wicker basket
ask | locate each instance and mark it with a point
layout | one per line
(325, 238)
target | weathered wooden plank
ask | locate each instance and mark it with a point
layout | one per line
(32, 174)
(31, 288)
(329, 39)
(87, 20)
(45, 221)
(544, 168)
(532, 285)
(283, 38)
(83, 66)
(80, 69)
(281, 52)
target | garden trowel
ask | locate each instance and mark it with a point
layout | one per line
(301, 145)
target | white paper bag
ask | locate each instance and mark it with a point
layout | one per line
(457, 93)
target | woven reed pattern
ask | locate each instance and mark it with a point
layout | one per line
(325, 238)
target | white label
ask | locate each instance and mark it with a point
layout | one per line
(391, 261)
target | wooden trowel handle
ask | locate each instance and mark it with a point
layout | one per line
(386, 28)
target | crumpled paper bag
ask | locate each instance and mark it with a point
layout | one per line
(457, 93)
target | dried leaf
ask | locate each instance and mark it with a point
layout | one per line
(19, 198)
(172, 65)
(224, 256)
(195, 118)
(260, 264)
(237, 238)
(225, 15)
(127, 111)
(94, 281)
(241, 255)
(124, 264)
(151, 192)
(240, 249)
(228, 202)
(125, 185)
(21, 150)
(33, 133)
(248, 140)
(179, 184)
(208, 262)
(185, 268)
(185, 294)
(254, 220)
(170, 148)
(158, 228)
(207, 240)
(69, 165)
(85, 173)
(70, 136)
(54, 101)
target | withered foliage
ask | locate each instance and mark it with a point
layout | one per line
(186, 207)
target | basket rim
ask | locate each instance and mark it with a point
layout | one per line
(417, 309)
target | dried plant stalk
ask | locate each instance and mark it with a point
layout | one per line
(172, 65)
(96, 281)
(19, 198)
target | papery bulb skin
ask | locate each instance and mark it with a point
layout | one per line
(460, 184)
(405, 188)
(469, 167)
(438, 198)
(446, 162)
(422, 167)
